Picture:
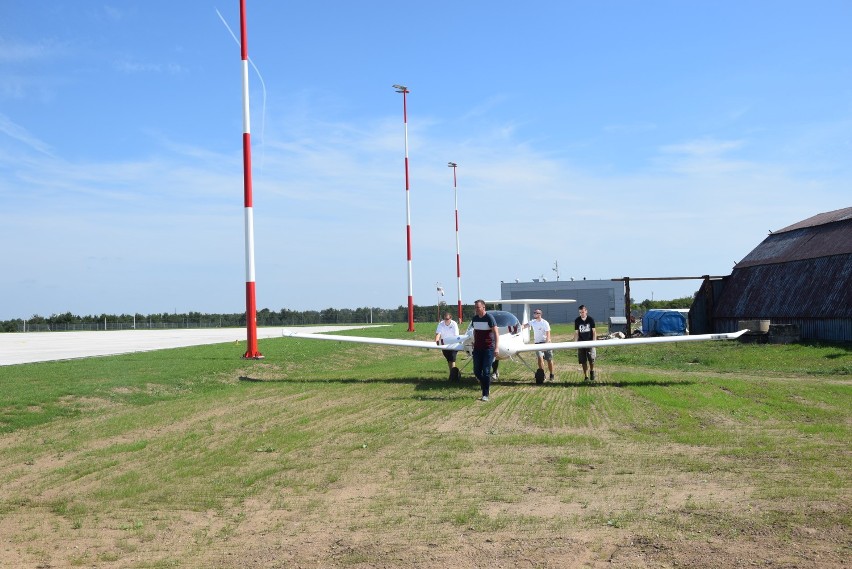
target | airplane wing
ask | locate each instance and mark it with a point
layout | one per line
(457, 346)
(625, 342)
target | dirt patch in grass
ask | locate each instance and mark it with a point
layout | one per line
(407, 478)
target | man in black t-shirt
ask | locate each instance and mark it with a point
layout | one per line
(584, 330)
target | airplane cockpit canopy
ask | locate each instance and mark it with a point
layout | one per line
(506, 321)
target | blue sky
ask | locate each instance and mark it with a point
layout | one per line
(616, 138)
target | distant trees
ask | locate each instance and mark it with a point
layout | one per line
(193, 319)
(265, 317)
(646, 305)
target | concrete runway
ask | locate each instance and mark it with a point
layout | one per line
(30, 347)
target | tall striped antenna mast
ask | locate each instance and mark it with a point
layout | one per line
(404, 90)
(453, 165)
(251, 305)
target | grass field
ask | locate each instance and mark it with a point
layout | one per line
(339, 455)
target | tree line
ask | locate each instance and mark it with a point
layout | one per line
(646, 305)
(265, 317)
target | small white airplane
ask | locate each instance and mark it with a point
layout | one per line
(514, 338)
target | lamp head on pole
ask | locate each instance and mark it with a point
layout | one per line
(452, 164)
(401, 89)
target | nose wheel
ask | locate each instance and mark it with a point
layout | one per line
(539, 376)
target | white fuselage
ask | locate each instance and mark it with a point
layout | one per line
(512, 335)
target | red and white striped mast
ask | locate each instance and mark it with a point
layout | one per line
(404, 90)
(251, 305)
(453, 165)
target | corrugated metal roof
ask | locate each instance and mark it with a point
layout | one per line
(807, 288)
(821, 219)
(805, 242)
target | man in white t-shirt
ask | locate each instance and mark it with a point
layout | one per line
(447, 333)
(541, 335)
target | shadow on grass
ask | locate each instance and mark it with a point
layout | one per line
(418, 382)
(836, 356)
(423, 383)
(599, 383)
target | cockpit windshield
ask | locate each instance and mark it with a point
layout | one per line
(506, 321)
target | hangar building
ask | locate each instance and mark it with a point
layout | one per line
(604, 299)
(801, 274)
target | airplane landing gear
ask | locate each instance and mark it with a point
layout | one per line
(539, 376)
(455, 374)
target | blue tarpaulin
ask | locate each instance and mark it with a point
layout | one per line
(664, 323)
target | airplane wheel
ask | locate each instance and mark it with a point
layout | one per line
(539, 376)
(455, 374)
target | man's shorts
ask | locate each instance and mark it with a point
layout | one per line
(546, 354)
(586, 355)
(450, 355)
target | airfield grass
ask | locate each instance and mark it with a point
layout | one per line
(329, 454)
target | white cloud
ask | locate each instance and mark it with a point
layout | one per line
(133, 67)
(20, 134)
(330, 218)
(15, 52)
(113, 13)
(702, 148)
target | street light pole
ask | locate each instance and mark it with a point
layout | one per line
(453, 165)
(404, 90)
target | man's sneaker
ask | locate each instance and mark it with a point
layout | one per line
(551, 377)
(484, 398)
(585, 378)
(592, 375)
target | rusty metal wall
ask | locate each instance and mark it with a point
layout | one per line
(828, 329)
